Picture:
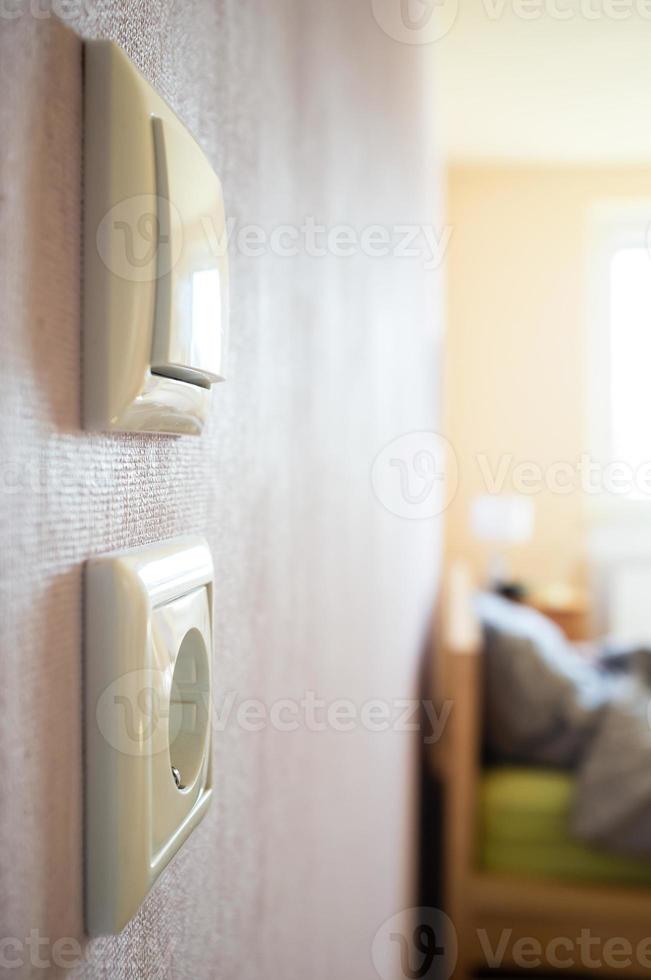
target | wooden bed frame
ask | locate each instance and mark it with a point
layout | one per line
(487, 909)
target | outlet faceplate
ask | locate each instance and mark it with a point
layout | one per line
(148, 702)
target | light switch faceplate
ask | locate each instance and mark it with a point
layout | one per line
(155, 257)
(148, 709)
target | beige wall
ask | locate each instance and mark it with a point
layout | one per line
(518, 342)
(305, 109)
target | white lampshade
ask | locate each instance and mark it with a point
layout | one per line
(506, 519)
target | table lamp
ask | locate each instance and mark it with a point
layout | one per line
(501, 520)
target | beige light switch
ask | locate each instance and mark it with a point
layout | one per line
(155, 260)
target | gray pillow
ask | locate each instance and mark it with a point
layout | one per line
(542, 700)
(612, 805)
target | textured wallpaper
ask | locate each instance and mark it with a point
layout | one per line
(311, 114)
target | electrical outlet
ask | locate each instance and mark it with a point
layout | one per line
(148, 709)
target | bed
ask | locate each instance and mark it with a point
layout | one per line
(512, 873)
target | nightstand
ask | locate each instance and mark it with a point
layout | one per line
(566, 606)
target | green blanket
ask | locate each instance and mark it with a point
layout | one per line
(523, 819)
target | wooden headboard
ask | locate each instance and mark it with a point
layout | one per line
(456, 667)
(457, 755)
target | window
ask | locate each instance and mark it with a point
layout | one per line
(618, 315)
(630, 356)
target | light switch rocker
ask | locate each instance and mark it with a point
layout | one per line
(155, 263)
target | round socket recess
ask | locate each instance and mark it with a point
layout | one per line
(189, 710)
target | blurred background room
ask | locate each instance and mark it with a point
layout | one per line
(544, 636)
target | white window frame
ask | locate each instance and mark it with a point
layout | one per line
(619, 528)
(612, 226)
